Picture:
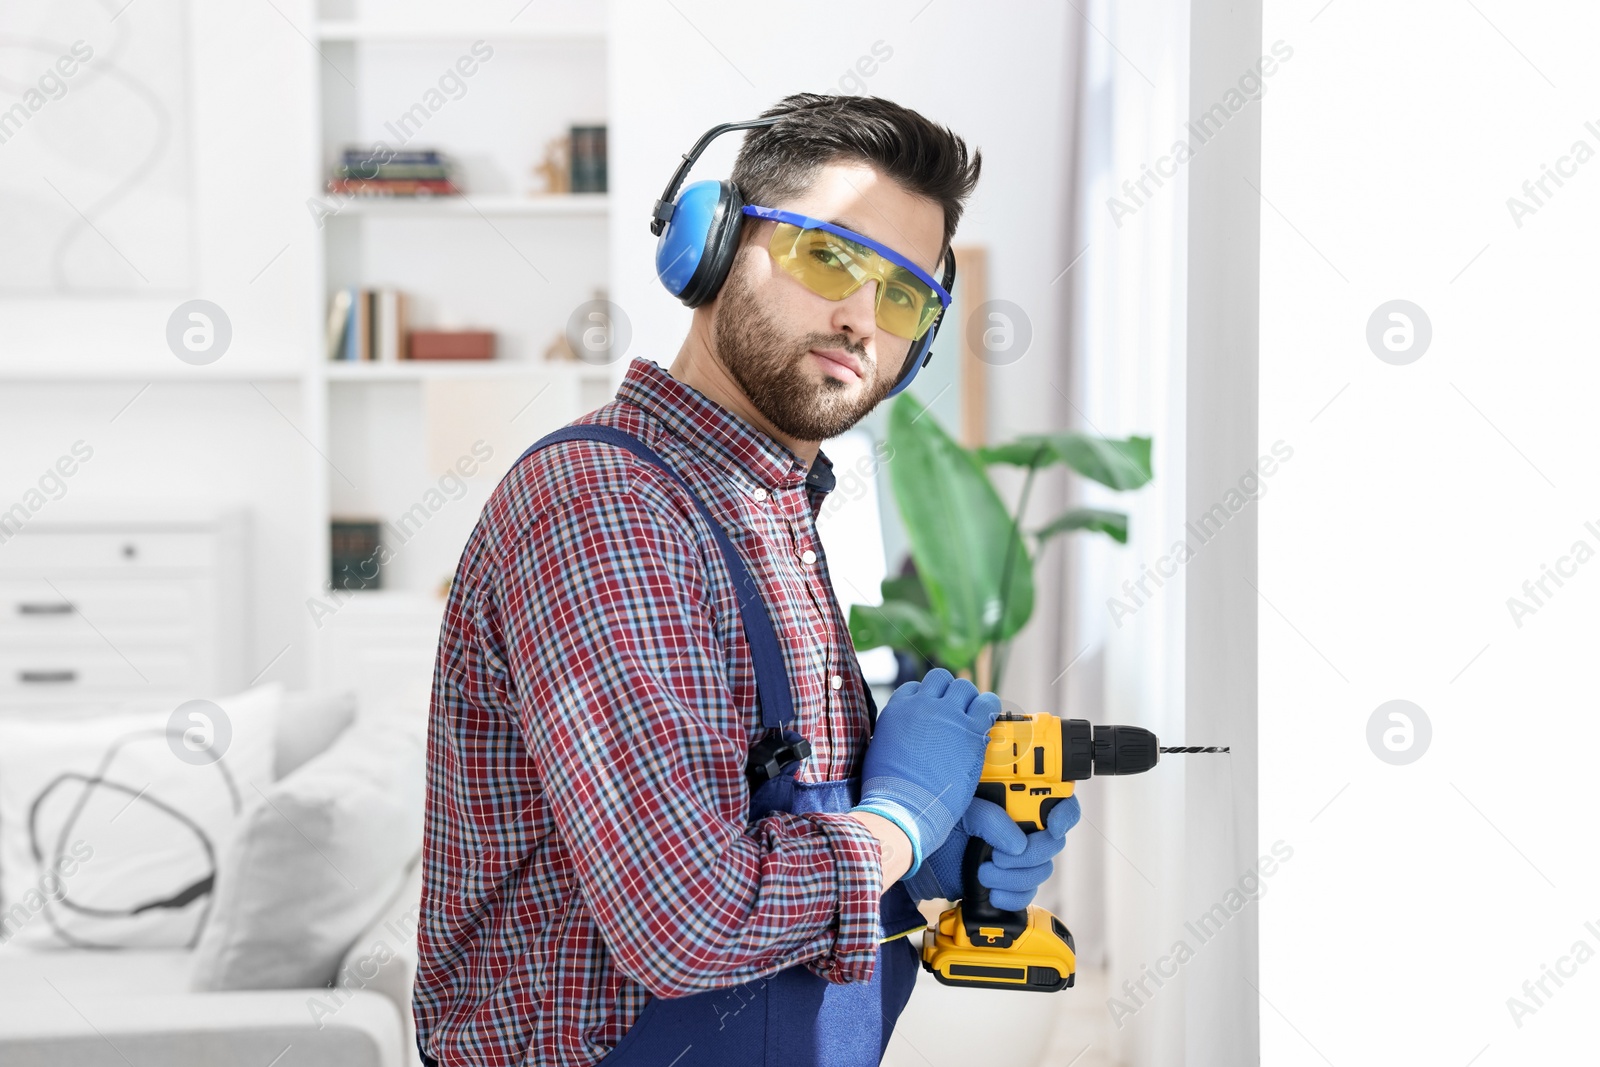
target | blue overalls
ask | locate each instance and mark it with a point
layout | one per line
(793, 1018)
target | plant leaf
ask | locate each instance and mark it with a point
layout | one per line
(960, 533)
(907, 588)
(897, 624)
(1021, 452)
(1119, 463)
(1112, 523)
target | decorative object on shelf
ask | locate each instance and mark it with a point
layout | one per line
(423, 172)
(555, 172)
(560, 350)
(452, 344)
(355, 550)
(367, 325)
(588, 159)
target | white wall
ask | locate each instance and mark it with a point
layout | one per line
(1422, 896)
(1221, 1025)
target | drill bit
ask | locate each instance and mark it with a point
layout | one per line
(1195, 748)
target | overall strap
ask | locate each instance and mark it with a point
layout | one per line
(772, 677)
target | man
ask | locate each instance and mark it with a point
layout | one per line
(646, 840)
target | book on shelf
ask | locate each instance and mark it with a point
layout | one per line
(338, 321)
(355, 554)
(365, 159)
(389, 325)
(391, 171)
(368, 325)
(423, 172)
(358, 332)
(588, 159)
(395, 187)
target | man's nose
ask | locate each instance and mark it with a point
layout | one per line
(857, 313)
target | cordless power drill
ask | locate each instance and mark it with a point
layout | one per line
(1031, 765)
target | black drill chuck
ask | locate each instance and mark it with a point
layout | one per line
(1088, 750)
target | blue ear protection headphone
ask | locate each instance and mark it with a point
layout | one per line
(699, 234)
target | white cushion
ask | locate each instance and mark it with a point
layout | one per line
(308, 724)
(110, 824)
(313, 862)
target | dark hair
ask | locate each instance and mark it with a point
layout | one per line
(779, 162)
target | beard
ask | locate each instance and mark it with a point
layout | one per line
(770, 367)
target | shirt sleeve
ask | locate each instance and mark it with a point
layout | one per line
(621, 684)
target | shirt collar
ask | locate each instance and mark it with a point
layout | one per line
(719, 433)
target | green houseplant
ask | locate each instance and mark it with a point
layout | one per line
(972, 590)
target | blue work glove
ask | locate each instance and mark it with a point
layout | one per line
(1019, 864)
(926, 754)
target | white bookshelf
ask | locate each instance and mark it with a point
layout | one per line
(571, 205)
(503, 257)
(462, 370)
(347, 30)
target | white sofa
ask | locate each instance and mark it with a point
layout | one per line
(135, 1007)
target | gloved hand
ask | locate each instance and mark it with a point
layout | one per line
(1019, 864)
(926, 754)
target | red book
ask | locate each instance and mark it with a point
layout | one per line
(452, 344)
(393, 187)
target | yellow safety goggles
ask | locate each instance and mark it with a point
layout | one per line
(834, 262)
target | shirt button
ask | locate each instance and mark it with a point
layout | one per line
(836, 681)
(760, 493)
(808, 556)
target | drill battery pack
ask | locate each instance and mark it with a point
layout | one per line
(1041, 956)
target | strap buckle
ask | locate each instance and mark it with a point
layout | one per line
(771, 754)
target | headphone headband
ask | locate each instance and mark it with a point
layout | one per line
(661, 214)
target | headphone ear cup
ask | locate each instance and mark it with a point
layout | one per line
(917, 358)
(721, 243)
(921, 355)
(686, 239)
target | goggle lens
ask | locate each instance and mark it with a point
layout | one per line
(833, 267)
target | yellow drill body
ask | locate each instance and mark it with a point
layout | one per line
(1033, 763)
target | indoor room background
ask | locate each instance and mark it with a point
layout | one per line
(255, 392)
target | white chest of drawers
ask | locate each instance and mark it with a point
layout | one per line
(142, 603)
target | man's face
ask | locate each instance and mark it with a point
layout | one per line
(770, 330)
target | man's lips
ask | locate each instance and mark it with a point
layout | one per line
(839, 363)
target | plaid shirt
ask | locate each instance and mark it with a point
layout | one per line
(587, 844)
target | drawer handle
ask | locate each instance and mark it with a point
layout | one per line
(46, 677)
(57, 607)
